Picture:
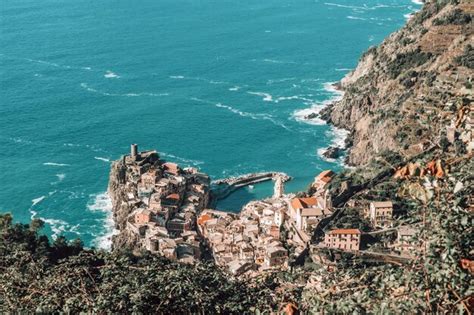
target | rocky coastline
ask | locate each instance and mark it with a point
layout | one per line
(416, 67)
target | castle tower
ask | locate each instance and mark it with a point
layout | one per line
(134, 150)
(279, 187)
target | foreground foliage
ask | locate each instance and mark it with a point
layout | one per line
(37, 276)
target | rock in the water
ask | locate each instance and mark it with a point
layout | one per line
(311, 116)
(332, 152)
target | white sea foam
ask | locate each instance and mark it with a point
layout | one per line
(102, 159)
(57, 226)
(343, 69)
(176, 77)
(55, 164)
(235, 88)
(418, 2)
(181, 159)
(33, 214)
(61, 177)
(275, 61)
(295, 97)
(345, 6)
(321, 152)
(37, 200)
(240, 113)
(20, 140)
(272, 81)
(409, 15)
(339, 137)
(302, 114)
(102, 202)
(330, 87)
(53, 64)
(364, 7)
(217, 82)
(356, 18)
(90, 89)
(266, 96)
(111, 75)
(253, 116)
(244, 114)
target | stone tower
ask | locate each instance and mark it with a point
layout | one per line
(279, 187)
(134, 150)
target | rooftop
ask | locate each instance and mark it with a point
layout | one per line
(300, 203)
(382, 204)
(345, 231)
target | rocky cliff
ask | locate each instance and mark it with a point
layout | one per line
(121, 209)
(403, 92)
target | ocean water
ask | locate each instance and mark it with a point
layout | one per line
(220, 85)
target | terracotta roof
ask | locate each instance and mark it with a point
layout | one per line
(345, 231)
(325, 175)
(300, 203)
(173, 196)
(203, 218)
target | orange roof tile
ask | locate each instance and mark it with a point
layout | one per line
(203, 218)
(300, 203)
(173, 196)
(345, 231)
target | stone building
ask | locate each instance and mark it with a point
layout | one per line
(406, 242)
(381, 213)
(345, 239)
(276, 256)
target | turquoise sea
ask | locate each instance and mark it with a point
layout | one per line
(221, 85)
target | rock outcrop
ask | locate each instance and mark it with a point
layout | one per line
(401, 92)
(155, 204)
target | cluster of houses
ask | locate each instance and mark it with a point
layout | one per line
(249, 241)
(266, 232)
(166, 201)
(168, 215)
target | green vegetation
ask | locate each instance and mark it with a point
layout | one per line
(407, 61)
(456, 17)
(467, 58)
(37, 276)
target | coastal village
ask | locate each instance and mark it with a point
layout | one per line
(167, 211)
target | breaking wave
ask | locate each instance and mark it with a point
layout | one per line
(37, 200)
(102, 159)
(102, 202)
(110, 75)
(301, 115)
(253, 116)
(184, 160)
(266, 96)
(55, 164)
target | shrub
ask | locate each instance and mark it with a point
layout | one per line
(456, 17)
(407, 61)
(467, 58)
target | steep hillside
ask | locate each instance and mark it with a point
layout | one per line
(405, 91)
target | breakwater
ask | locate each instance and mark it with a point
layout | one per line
(221, 188)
